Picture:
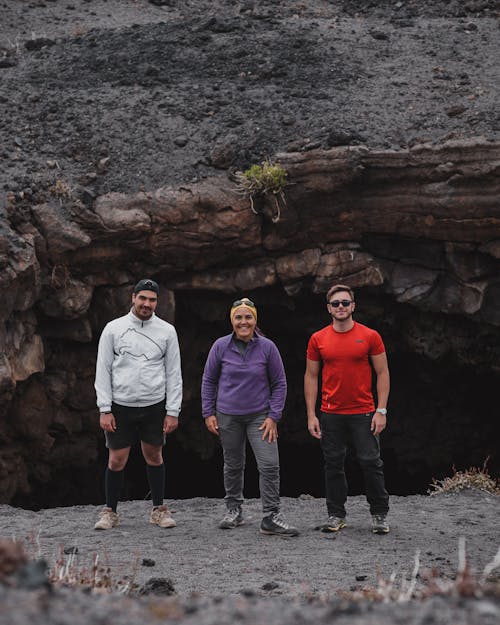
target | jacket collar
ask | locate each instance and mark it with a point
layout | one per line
(136, 321)
(252, 340)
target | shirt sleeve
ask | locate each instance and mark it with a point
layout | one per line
(105, 357)
(376, 344)
(173, 375)
(312, 349)
(277, 381)
(210, 381)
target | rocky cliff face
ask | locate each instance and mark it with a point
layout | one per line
(122, 125)
(415, 232)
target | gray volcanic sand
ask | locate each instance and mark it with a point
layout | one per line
(264, 578)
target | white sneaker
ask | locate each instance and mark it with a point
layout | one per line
(107, 520)
(161, 516)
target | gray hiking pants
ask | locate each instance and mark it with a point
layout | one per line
(233, 431)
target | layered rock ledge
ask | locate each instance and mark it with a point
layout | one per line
(416, 232)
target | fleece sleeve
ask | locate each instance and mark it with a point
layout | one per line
(173, 376)
(277, 381)
(103, 384)
(209, 382)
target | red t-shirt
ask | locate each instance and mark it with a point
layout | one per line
(346, 377)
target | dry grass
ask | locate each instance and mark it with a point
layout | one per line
(67, 571)
(61, 190)
(470, 478)
(79, 30)
(421, 585)
(98, 577)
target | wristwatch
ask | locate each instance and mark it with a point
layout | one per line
(382, 411)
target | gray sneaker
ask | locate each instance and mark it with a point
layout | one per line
(276, 524)
(231, 519)
(379, 524)
(333, 524)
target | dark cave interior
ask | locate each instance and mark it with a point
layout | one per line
(442, 408)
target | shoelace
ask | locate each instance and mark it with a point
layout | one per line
(231, 515)
(279, 520)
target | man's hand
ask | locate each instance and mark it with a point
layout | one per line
(170, 424)
(313, 426)
(270, 428)
(379, 422)
(107, 422)
(212, 425)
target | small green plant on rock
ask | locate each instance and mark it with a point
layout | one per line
(263, 180)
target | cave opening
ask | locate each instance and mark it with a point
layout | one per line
(442, 408)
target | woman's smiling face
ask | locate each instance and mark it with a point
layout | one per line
(243, 323)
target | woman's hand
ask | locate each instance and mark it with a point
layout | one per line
(270, 428)
(212, 425)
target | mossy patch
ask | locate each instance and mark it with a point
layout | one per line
(263, 180)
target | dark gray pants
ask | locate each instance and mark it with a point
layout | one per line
(234, 431)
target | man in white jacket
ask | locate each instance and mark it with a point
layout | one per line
(139, 393)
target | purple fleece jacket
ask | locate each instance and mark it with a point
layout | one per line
(243, 384)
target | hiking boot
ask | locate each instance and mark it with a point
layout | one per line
(333, 524)
(107, 520)
(231, 519)
(379, 524)
(161, 516)
(276, 524)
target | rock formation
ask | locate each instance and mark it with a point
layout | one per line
(122, 127)
(416, 232)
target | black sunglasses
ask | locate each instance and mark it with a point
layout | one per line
(243, 302)
(336, 303)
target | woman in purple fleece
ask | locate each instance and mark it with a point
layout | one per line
(243, 392)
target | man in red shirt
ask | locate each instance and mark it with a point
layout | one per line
(345, 352)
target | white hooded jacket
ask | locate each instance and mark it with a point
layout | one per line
(139, 364)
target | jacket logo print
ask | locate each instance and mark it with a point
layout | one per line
(138, 346)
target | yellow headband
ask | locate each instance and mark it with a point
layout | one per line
(247, 303)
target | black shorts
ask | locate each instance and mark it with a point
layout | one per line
(145, 424)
